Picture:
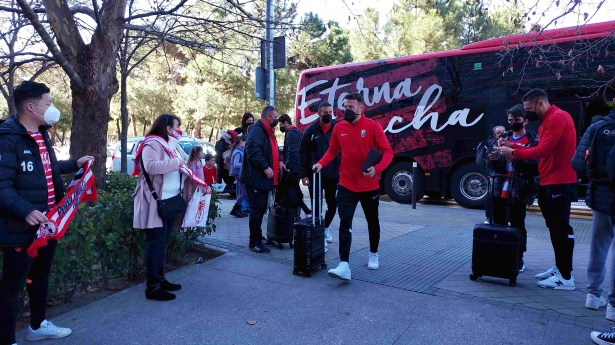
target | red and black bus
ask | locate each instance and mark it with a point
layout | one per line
(435, 108)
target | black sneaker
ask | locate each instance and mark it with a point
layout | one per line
(158, 294)
(267, 242)
(258, 247)
(603, 338)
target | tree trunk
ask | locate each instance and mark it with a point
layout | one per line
(211, 134)
(134, 125)
(198, 128)
(54, 131)
(144, 128)
(117, 129)
(124, 112)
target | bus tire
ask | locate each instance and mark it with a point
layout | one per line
(398, 183)
(469, 185)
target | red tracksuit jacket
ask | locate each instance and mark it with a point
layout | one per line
(355, 142)
(558, 141)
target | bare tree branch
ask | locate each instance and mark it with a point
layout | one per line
(97, 17)
(40, 29)
(157, 13)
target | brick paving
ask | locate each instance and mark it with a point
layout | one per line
(428, 250)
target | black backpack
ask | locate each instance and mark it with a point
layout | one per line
(481, 155)
(600, 150)
(610, 164)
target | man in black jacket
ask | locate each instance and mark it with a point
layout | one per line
(259, 172)
(30, 185)
(601, 199)
(514, 194)
(314, 145)
(292, 142)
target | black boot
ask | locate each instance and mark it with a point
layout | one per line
(158, 294)
(236, 212)
(170, 286)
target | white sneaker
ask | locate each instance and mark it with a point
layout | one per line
(342, 271)
(556, 282)
(610, 312)
(593, 302)
(328, 237)
(548, 274)
(48, 331)
(373, 261)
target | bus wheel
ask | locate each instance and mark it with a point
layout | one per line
(469, 186)
(398, 183)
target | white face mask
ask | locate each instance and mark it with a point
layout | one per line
(51, 116)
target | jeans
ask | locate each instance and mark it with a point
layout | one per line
(242, 194)
(330, 188)
(259, 199)
(554, 202)
(16, 267)
(157, 241)
(601, 242)
(347, 201)
(517, 213)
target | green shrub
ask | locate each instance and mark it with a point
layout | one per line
(101, 244)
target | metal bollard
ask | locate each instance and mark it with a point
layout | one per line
(414, 171)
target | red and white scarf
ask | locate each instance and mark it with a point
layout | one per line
(82, 188)
(169, 152)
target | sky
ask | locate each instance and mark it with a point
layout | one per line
(339, 10)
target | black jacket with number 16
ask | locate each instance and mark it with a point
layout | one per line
(23, 186)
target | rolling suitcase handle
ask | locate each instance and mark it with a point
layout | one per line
(314, 198)
(491, 188)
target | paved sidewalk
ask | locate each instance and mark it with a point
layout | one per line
(421, 295)
(222, 295)
(428, 250)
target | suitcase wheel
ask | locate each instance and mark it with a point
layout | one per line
(323, 266)
(291, 245)
(308, 273)
(473, 277)
(512, 282)
(280, 245)
(294, 272)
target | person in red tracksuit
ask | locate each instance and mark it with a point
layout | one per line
(558, 181)
(355, 137)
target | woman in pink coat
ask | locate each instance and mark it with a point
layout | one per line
(160, 156)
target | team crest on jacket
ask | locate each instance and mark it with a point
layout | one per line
(362, 133)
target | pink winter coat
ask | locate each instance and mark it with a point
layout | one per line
(157, 163)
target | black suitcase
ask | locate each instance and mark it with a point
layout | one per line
(280, 225)
(310, 240)
(495, 248)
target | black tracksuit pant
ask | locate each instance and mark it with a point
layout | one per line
(517, 214)
(347, 201)
(16, 268)
(329, 185)
(555, 201)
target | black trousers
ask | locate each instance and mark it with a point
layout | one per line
(157, 241)
(330, 187)
(517, 214)
(554, 202)
(258, 207)
(18, 266)
(347, 201)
